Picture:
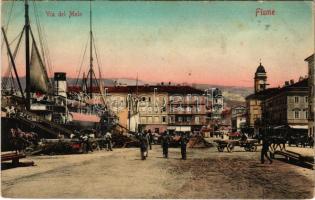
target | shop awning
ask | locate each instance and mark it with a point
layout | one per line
(299, 126)
(84, 117)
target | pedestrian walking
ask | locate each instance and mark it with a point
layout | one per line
(147, 143)
(183, 145)
(108, 140)
(150, 138)
(165, 143)
(142, 142)
(264, 150)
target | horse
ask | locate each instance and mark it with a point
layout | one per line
(278, 141)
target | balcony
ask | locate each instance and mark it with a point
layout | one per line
(191, 123)
(193, 112)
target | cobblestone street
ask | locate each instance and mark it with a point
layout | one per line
(121, 174)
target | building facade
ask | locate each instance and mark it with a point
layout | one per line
(311, 98)
(214, 103)
(156, 107)
(287, 106)
(238, 118)
(186, 109)
(139, 107)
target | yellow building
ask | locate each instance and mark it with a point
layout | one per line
(253, 101)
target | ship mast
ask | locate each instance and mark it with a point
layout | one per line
(27, 56)
(91, 54)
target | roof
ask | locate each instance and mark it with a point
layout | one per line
(308, 59)
(260, 69)
(262, 94)
(143, 88)
(298, 86)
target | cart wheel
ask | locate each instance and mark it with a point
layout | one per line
(247, 148)
(254, 148)
(230, 147)
(220, 149)
(28, 151)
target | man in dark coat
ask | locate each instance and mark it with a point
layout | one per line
(147, 142)
(165, 143)
(150, 137)
(143, 146)
(264, 150)
(183, 145)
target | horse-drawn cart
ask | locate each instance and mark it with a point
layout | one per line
(249, 144)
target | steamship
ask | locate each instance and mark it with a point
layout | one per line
(45, 105)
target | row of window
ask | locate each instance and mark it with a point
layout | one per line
(149, 99)
(298, 114)
(181, 98)
(155, 119)
(152, 109)
(298, 99)
(182, 109)
(187, 119)
(171, 119)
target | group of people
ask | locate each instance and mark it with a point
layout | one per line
(146, 139)
(85, 139)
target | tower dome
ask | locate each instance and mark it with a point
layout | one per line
(260, 80)
(260, 69)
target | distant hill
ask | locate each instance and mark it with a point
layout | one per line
(232, 95)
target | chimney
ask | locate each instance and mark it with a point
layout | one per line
(291, 81)
(169, 83)
(286, 83)
(162, 83)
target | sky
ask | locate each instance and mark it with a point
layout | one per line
(210, 42)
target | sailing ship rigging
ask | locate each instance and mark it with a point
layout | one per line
(49, 100)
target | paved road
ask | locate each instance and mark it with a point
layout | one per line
(121, 174)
